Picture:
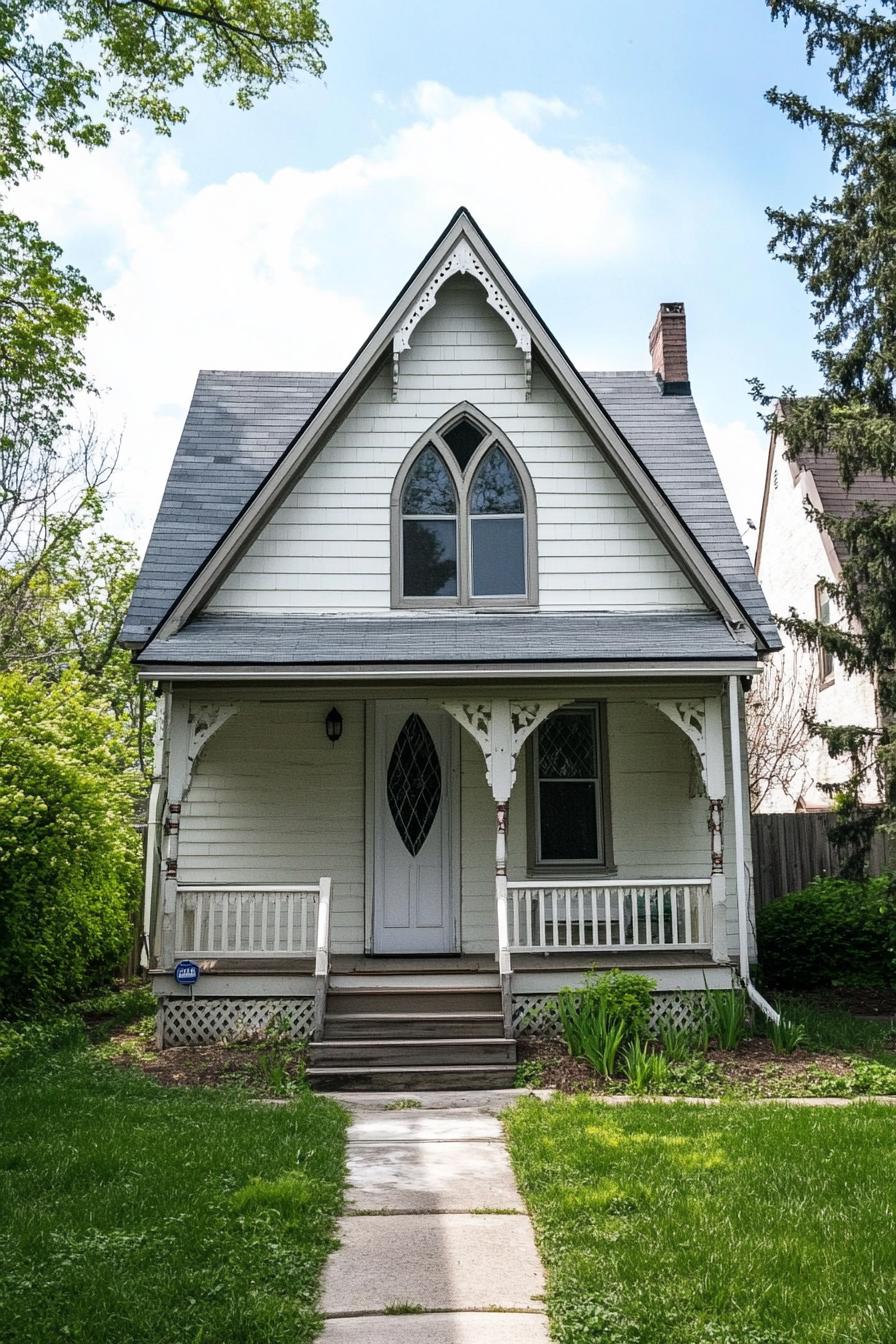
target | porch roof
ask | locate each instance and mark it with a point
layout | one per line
(448, 639)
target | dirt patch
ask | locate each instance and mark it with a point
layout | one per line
(260, 1067)
(755, 1060)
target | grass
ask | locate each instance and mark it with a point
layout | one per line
(133, 1213)
(736, 1224)
(831, 1028)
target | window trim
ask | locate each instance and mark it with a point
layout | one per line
(557, 868)
(462, 481)
(825, 658)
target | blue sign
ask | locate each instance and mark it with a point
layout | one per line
(186, 972)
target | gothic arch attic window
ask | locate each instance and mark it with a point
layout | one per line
(463, 519)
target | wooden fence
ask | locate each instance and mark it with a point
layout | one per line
(790, 848)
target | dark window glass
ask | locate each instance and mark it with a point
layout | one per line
(568, 788)
(496, 488)
(463, 439)
(430, 557)
(428, 488)
(498, 548)
(823, 614)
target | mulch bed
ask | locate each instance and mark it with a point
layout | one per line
(752, 1062)
(217, 1065)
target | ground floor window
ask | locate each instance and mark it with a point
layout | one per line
(569, 790)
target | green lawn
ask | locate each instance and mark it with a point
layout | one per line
(729, 1224)
(130, 1212)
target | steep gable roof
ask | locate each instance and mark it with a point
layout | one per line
(236, 459)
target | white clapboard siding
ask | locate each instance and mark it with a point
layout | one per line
(328, 545)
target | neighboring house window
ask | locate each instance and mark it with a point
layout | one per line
(464, 519)
(823, 614)
(570, 811)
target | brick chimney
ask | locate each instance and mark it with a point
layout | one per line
(669, 349)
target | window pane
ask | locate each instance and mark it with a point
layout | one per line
(428, 488)
(568, 815)
(566, 747)
(430, 557)
(463, 439)
(499, 564)
(496, 488)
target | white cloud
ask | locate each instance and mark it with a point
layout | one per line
(740, 453)
(292, 271)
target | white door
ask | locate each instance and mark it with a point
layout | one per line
(413, 905)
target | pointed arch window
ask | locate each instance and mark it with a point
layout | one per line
(464, 519)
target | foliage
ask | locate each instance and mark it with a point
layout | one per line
(69, 854)
(834, 932)
(726, 1017)
(705, 1192)
(136, 55)
(786, 1034)
(529, 1073)
(279, 1065)
(213, 1213)
(606, 1011)
(832, 1028)
(842, 248)
(644, 1069)
(680, 1043)
(781, 704)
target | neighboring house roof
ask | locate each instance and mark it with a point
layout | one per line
(468, 638)
(836, 499)
(238, 425)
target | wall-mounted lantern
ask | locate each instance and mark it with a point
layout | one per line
(334, 725)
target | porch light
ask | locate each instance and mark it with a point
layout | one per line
(334, 725)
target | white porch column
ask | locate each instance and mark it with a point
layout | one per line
(701, 721)
(500, 727)
(192, 727)
(155, 808)
(740, 804)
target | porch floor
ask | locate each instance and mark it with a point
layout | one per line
(461, 964)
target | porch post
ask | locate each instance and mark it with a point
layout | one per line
(739, 797)
(500, 727)
(151, 879)
(715, 788)
(177, 772)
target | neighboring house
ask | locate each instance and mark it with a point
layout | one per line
(793, 558)
(450, 650)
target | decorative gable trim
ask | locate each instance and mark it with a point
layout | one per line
(641, 485)
(462, 261)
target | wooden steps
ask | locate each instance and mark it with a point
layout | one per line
(419, 1031)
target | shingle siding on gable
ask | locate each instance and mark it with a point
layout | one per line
(328, 545)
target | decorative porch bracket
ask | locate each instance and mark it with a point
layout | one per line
(462, 261)
(701, 722)
(190, 732)
(500, 728)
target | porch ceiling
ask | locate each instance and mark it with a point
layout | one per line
(471, 638)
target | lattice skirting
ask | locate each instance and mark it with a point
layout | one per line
(200, 1021)
(537, 1015)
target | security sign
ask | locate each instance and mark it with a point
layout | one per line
(186, 972)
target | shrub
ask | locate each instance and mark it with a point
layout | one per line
(726, 1017)
(603, 1014)
(835, 932)
(69, 855)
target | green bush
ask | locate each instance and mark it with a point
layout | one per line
(69, 854)
(608, 1010)
(835, 932)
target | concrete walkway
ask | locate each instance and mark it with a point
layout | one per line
(436, 1242)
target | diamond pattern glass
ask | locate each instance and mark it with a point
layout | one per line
(414, 783)
(566, 747)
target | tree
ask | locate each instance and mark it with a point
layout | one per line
(780, 707)
(842, 247)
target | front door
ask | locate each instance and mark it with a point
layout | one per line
(413, 896)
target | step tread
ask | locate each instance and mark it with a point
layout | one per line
(317, 1070)
(414, 989)
(486, 1015)
(416, 1042)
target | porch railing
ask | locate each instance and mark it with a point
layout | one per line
(609, 916)
(258, 921)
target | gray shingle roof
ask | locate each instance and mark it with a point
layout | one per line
(459, 637)
(239, 424)
(868, 488)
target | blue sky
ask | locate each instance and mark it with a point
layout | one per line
(617, 156)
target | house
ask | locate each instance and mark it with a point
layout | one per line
(449, 650)
(794, 559)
